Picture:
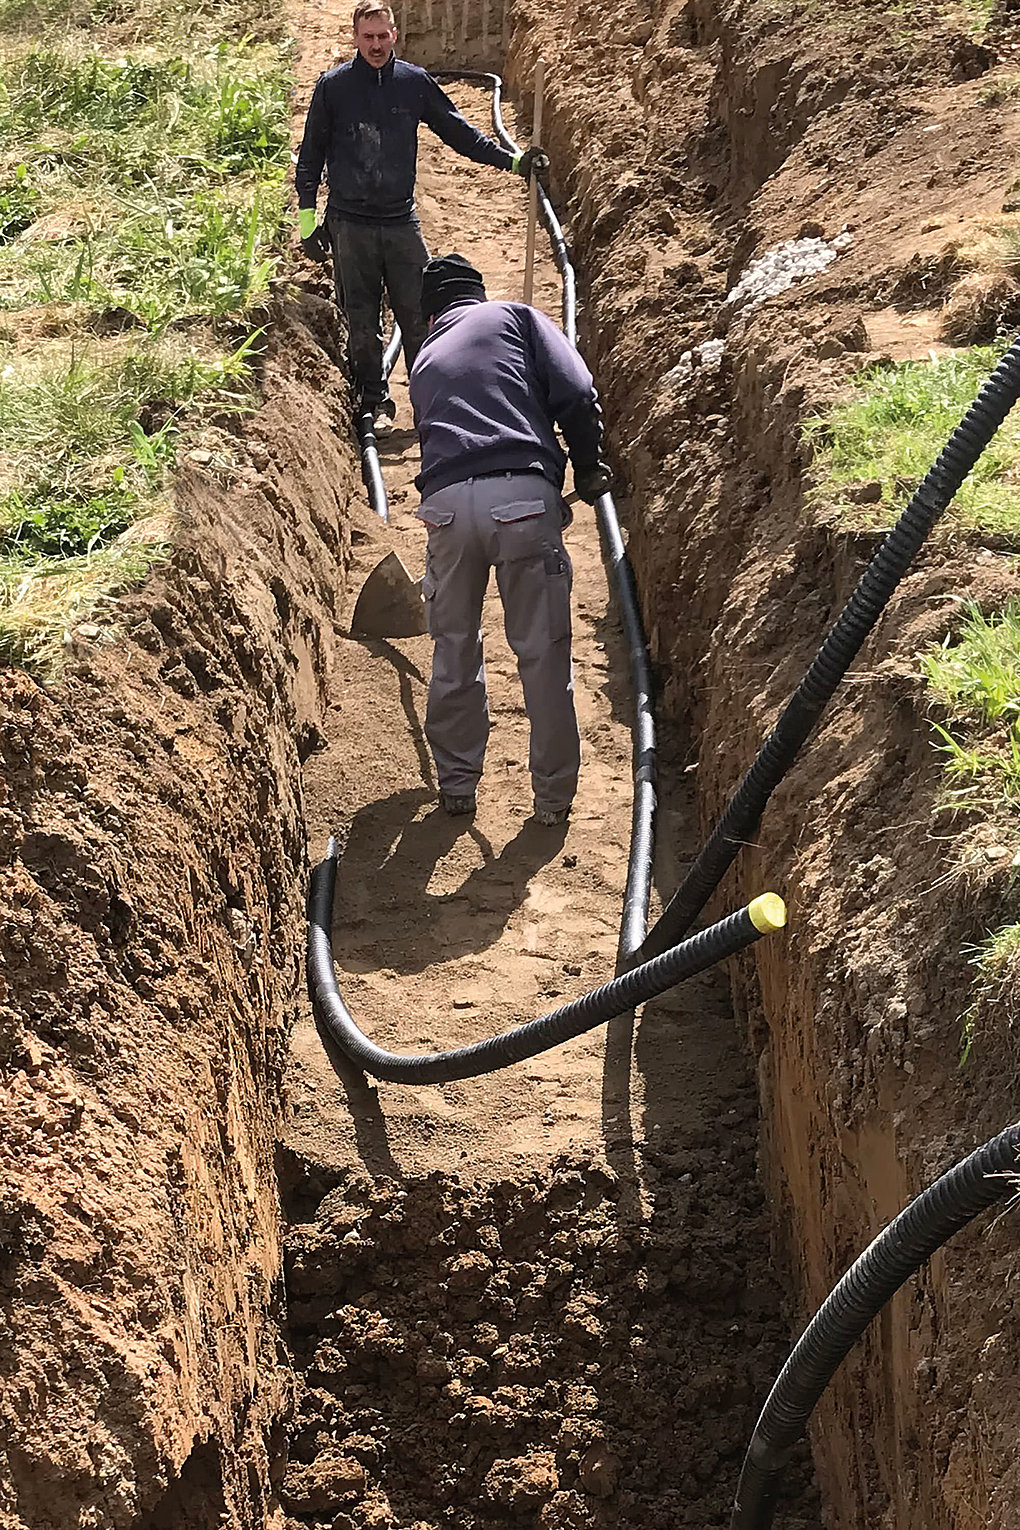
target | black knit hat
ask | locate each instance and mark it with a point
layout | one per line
(446, 280)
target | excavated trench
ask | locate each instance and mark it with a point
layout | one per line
(546, 1297)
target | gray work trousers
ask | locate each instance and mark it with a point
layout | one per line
(514, 524)
(368, 257)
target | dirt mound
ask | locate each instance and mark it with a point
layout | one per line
(539, 1350)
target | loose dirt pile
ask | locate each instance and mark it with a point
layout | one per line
(540, 1350)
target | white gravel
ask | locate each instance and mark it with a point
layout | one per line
(782, 267)
(706, 357)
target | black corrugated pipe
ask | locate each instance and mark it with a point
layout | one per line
(929, 1221)
(643, 733)
(743, 813)
(761, 917)
(371, 472)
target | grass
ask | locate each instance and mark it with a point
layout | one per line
(90, 441)
(997, 984)
(893, 427)
(1004, 90)
(155, 188)
(42, 602)
(976, 677)
(141, 198)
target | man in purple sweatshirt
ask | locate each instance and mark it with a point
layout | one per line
(490, 383)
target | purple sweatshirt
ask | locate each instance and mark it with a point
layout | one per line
(486, 388)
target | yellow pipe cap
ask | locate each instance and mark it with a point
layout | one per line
(768, 913)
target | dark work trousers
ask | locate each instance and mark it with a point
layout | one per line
(368, 258)
(514, 524)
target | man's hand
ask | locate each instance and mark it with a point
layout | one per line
(533, 162)
(592, 482)
(314, 239)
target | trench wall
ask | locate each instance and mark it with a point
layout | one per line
(152, 866)
(684, 138)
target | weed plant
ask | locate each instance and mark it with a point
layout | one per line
(892, 429)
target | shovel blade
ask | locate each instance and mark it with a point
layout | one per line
(390, 603)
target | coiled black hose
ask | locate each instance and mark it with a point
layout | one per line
(929, 1221)
(371, 472)
(703, 950)
(634, 919)
(842, 645)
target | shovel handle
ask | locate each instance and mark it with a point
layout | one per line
(536, 137)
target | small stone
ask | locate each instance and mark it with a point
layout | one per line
(598, 1471)
(324, 1485)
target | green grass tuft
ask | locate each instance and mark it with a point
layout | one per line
(42, 602)
(976, 677)
(891, 431)
(997, 985)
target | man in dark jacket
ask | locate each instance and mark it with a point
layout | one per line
(490, 383)
(362, 128)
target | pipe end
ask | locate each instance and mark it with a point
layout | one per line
(767, 913)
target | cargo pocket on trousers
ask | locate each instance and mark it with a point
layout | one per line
(520, 529)
(558, 579)
(435, 517)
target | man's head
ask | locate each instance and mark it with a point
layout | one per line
(448, 279)
(375, 32)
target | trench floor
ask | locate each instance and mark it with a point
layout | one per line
(544, 1294)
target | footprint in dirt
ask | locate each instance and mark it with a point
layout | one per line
(385, 912)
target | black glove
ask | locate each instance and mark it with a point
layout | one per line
(534, 162)
(317, 245)
(592, 482)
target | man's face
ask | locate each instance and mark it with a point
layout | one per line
(374, 38)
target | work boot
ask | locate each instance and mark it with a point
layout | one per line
(457, 805)
(549, 817)
(383, 415)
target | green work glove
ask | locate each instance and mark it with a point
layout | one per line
(314, 239)
(533, 162)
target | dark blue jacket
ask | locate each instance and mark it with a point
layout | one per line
(486, 387)
(362, 125)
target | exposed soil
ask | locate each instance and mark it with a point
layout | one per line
(542, 1297)
(152, 858)
(552, 1300)
(699, 138)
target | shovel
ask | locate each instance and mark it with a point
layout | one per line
(390, 604)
